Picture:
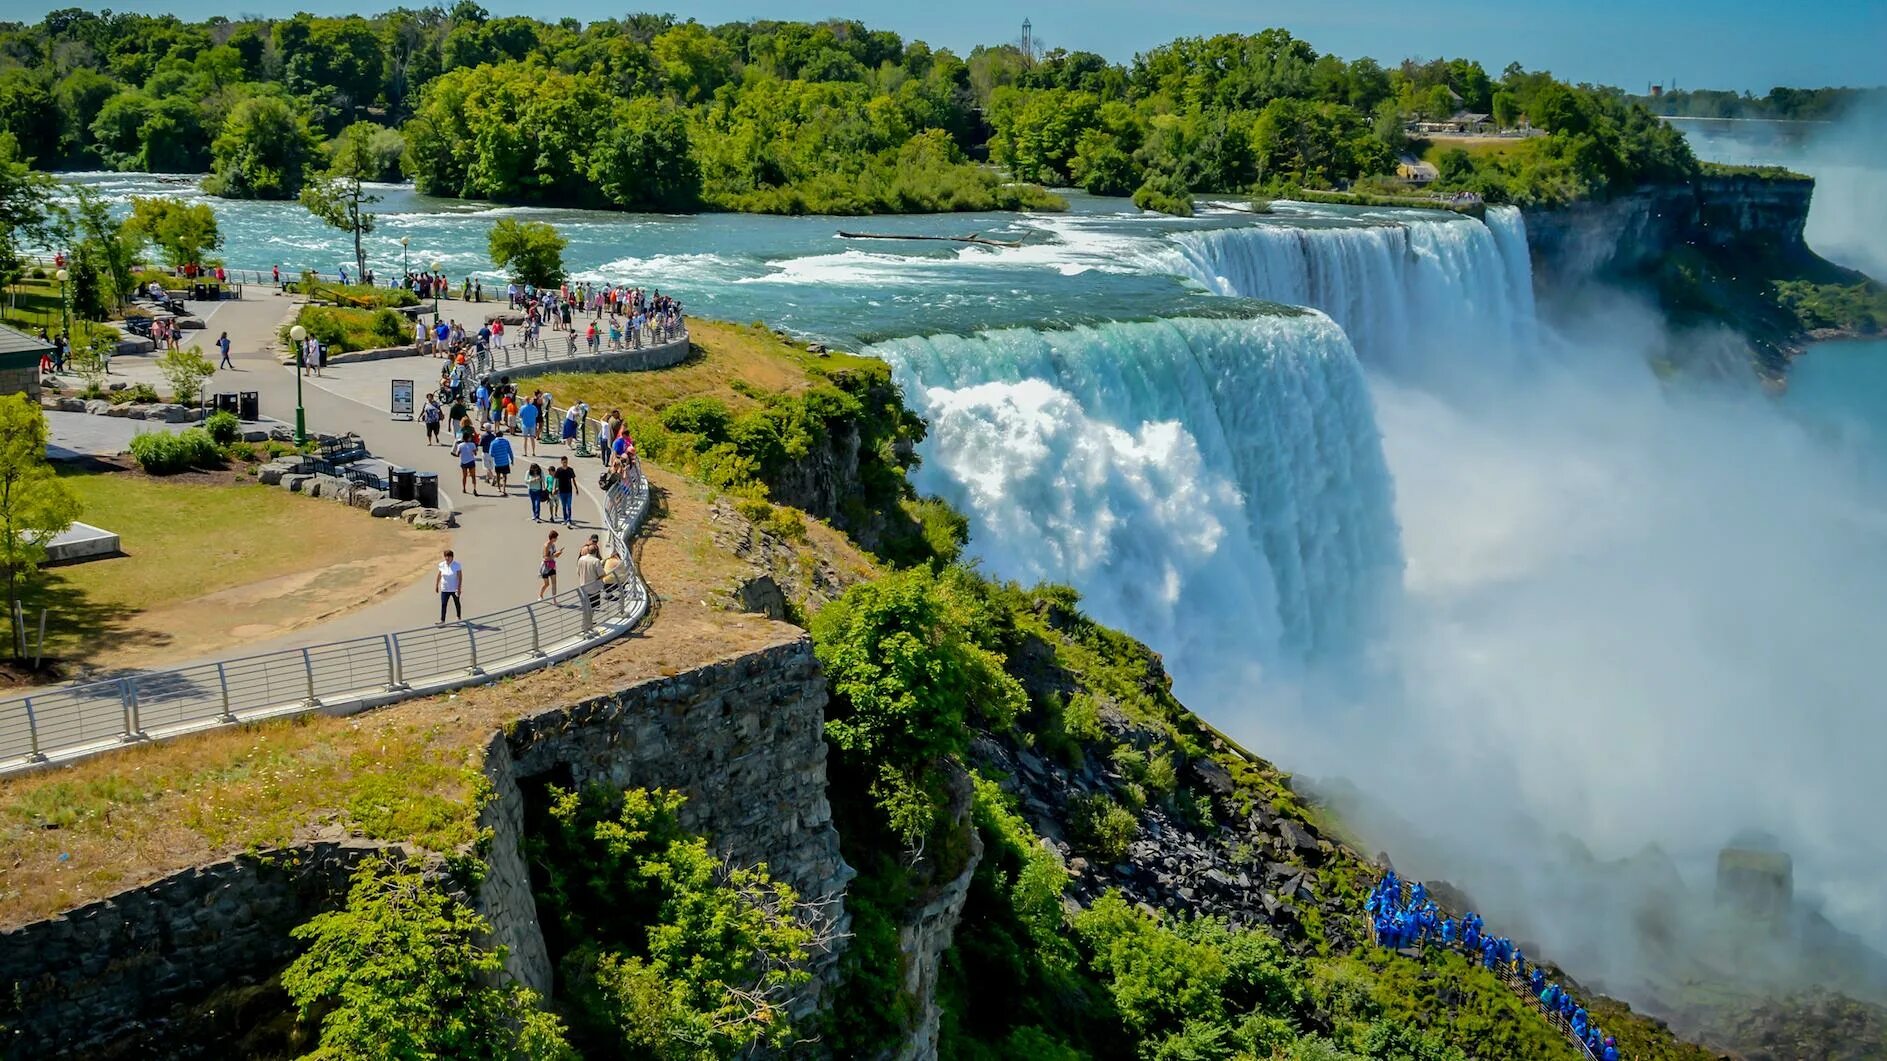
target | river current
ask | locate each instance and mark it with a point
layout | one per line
(1381, 520)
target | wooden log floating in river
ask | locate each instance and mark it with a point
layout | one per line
(973, 237)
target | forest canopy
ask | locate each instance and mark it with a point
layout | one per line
(650, 113)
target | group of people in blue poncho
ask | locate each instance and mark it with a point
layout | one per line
(1421, 920)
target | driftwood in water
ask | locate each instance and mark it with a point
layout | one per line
(971, 238)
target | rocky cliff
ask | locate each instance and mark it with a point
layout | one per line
(1634, 234)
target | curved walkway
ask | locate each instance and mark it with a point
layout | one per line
(377, 653)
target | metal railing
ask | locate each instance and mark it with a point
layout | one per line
(569, 345)
(73, 721)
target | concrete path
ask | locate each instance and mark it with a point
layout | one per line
(496, 540)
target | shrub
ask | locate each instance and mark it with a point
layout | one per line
(185, 369)
(1104, 826)
(1165, 193)
(402, 971)
(223, 427)
(389, 327)
(706, 417)
(162, 453)
(136, 394)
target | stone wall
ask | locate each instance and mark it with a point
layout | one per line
(744, 738)
(660, 355)
(112, 971)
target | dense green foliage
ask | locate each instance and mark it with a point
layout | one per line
(781, 117)
(1267, 113)
(341, 329)
(1860, 307)
(662, 951)
(35, 504)
(163, 453)
(909, 662)
(1781, 103)
(223, 427)
(530, 252)
(182, 232)
(400, 972)
(24, 196)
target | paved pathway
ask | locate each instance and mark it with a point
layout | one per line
(496, 541)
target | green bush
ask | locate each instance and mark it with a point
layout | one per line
(341, 329)
(1103, 826)
(136, 394)
(1164, 193)
(162, 453)
(223, 427)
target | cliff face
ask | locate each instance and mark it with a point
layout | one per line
(1634, 234)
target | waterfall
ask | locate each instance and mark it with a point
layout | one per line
(1215, 486)
(1421, 298)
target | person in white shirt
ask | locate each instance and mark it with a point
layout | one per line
(449, 581)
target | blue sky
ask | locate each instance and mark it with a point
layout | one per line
(1737, 44)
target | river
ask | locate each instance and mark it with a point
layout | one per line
(1382, 522)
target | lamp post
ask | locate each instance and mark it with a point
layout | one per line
(65, 308)
(406, 271)
(298, 334)
(438, 281)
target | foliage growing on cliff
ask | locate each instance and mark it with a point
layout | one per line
(909, 664)
(400, 972)
(1860, 307)
(665, 952)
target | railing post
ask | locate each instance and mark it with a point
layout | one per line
(222, 683)
(393, 662)
(471, 637)
(128, 695)
(307, 666)
(32, 734)
(537, 647)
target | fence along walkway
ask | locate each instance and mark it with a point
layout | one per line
(75, 721)
(569, 346)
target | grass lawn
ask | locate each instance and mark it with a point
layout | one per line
(729, 362)
(1481, 147)
(210, 562)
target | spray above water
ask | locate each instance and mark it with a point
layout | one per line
(1215, 486)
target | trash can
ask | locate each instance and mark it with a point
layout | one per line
(426, 489)
(249, 406)
(404, 485)
(226, 403)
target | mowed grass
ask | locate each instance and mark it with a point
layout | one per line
(1482, 146)
(731, 362)
(185, 539)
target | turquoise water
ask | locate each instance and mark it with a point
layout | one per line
(1101, 261)
(1839, 390)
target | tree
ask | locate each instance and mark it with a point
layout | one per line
(338, 198)
(1506, 110)
(400, 972)
(35, 504)
(185, 369)
(531, 250)
(24, 200)
(647, 162)
(115, 244)
(264, 151)
(181, 231)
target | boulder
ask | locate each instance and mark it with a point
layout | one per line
(270, 474)
(136, 412)
(427, 518)
(294, 483)
(115, 387)
(188, 323)
(72, 405)
(98, 407)
(366, 497)
(255, 434)
(174, 414)
(1300, 840)
(388, 507)
(119, 411)
(281, 433)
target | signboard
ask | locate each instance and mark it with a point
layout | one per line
(403, 398)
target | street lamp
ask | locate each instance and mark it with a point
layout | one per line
(405, 270)
(438, 281)
(65, 308)
(298, 334)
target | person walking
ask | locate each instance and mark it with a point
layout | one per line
(449, 583)
(566, 480)
(222, 343)
(466, 450)
(501, 461)
(534, 483)
(433, 416)
(547, 568)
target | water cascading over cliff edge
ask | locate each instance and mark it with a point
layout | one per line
(1422, 297)
(1215, 486)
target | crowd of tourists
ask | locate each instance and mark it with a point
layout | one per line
(1420, 921)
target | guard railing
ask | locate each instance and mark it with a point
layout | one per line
(72, 721)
